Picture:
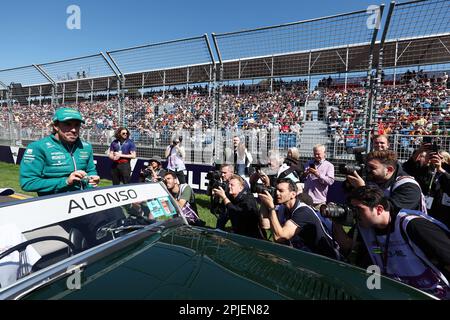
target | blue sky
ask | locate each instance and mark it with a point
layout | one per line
(36, 32)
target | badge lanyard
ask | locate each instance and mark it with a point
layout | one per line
(431, 182)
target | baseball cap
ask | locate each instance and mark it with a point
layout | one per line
(65, 114)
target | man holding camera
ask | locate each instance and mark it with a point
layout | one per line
(409, 246)
(319, 176)
(175, 159)
(154, 172)
(383, 170)
(293, 222)
(432, 174)
(219, 209)
(241, 208)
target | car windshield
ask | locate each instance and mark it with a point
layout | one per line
(37, 233)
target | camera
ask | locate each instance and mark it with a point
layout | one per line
(261, 188)
(348, 169)
(147, 175)
(341, 213)
(359, 167)
(177, 141)
(215, 181)
(434, 147)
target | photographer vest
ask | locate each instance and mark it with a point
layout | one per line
(401, 181)
(405, 261)
(325, 225)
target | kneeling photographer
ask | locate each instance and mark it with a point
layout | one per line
(383, 170)
(241, 208)
(219, 179)
(295, 223)
(408, 246)
(154, 171)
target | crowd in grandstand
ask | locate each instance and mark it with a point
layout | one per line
(419, 105)
(169, 112)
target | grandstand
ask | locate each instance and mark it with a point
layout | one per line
(272, 85)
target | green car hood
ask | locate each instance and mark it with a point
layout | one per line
(184, 262)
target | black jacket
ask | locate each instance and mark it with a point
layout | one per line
(440, 184)
(244, 215)
(406, 196)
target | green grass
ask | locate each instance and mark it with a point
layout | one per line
(9, 174)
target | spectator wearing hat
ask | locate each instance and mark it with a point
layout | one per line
(154, 171)
(60, 162)
(121, 151)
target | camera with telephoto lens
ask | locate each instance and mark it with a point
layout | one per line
(348, 169)
(341, 213)
(215, 181)
(359, 167)
(261, 188)
(147, 175)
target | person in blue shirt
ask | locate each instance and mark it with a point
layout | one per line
(121, 151)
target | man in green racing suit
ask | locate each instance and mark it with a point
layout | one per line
(60, 162)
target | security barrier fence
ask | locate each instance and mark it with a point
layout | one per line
(264, 84)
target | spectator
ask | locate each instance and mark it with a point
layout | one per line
(121, 151)
(319, 176)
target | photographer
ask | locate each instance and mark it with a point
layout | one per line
(218, 207)
(295, 223)
(241, 208)
(175, 159)
(383, 170)
(185, 197)
(409, 246)
(154, 171)
(427, 167)
(276, 169)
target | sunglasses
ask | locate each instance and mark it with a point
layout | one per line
(124, 133)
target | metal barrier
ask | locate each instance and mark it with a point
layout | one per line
(159, 90)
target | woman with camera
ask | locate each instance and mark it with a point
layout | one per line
(175, 159)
